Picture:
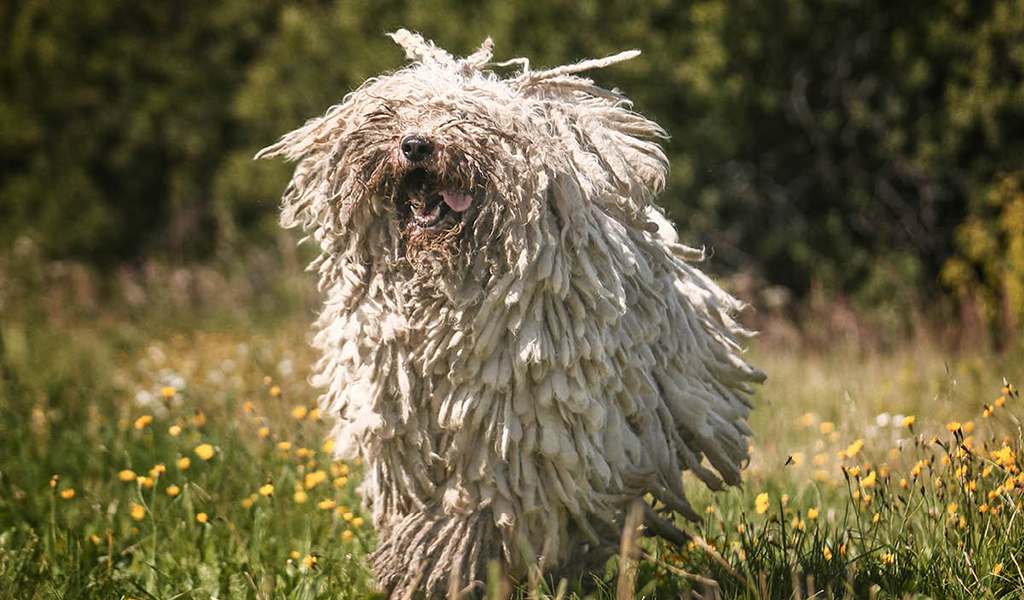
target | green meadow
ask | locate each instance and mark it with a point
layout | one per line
(165, 443)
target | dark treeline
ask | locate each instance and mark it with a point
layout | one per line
(869, 148)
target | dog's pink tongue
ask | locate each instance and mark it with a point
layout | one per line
(457, 201)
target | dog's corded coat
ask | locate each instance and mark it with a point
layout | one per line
(517, 375)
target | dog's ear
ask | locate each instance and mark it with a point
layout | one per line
(304, 201)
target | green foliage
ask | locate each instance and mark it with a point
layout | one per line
(827, 145)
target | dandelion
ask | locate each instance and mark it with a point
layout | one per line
(68, 493)
(854, 471)
(174, 430)
(142, 421)
(812, 513)
(263, 431)
(311, 480)
(997, 569)
(204, 451)
(855, 447)
(953, 426)
(267, 490)
(158, 470)
(357, 522)
(275, 391)
(202, 517)
(126, 475)
(146, 482)
(299, 412)
(908, 421)
(868, 481)
(327, 504)
(183, 463)
(300, 496)
(309, 562)
(168, 391)
(173, 490)
(137, 511)
(827, 427)
(347, 516)
(761, 503)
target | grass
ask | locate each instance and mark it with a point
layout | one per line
(169, 447)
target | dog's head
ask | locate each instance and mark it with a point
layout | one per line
(444, 168)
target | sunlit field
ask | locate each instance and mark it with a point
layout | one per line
(165, 443)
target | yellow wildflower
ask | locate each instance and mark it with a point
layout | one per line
(357, 522)
(126, 475)
(875, 518)
(997, 569)
(267, 490)
(903, 482)
(314, 414)
(854, 471)
(328, 445)
(968, 427)
(142, 421)
(168, 391)
(987, 412)
(326, 504)
(761, 503)
(174, 430)
(827, 553)
(855, 447)
(826, 427)
(263, 431)
(146, 482)
(299, 412)
(300, 496)
(339, 482)
(173, 490)
(983, 508)
(202, 517)
(183, 463)
(284, 446)
(807, 419)
(309, 562)
(312, 479)
(908, 420)
(204, 451)
(868, 481)
(68, 493)
(347, 534)
(812, 513)
(158, 470)
(888, 559)
(294, 554)
(199, 418)
(275, 391)
(137, 511)
(953, 425)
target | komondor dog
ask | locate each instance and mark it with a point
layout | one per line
(513, 339)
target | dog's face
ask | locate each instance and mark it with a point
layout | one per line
(443, 169)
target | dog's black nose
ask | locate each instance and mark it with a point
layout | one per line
(416, 148)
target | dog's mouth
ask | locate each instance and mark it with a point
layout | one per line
(427, 202)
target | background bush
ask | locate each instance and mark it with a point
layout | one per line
(867, 149)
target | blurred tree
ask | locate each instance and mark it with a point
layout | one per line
(830, 143)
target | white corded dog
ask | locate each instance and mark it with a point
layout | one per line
(513, 339)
